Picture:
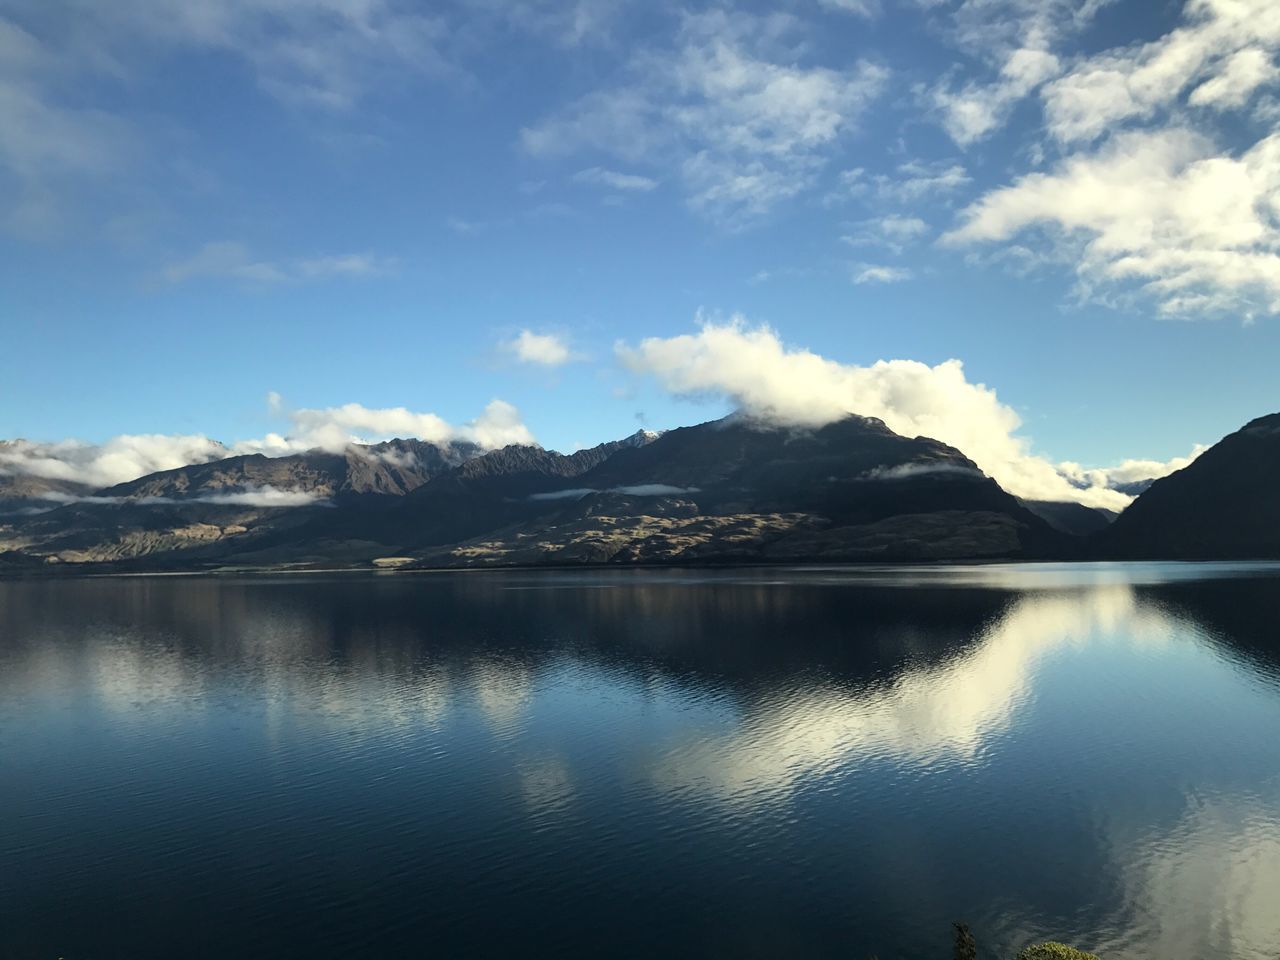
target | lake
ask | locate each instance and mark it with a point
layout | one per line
(637, 763)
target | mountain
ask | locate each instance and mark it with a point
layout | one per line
(1073, 518)
(212, 509)
(489, 491)
(394, 467)
(731, 489)
(1224, 505)
(24, 493)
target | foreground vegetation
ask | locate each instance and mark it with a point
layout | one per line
(966, 948)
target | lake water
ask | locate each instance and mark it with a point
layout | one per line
(803, 763)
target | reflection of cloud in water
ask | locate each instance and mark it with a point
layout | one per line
(944, 712)
(546, 784)
(503, 689)
(1208, 888)
(127, 675)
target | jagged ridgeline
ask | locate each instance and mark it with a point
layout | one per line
(732, 490)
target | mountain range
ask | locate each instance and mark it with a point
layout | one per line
(731, 490)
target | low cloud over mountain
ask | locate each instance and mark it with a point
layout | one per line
(776, 383)
(332, 429)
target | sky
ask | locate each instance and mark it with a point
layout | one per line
(1047, 232)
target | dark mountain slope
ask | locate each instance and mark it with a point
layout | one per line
(731, 489)
(854, 469)
(494, 490)
(1224, 505)
(1073, 518)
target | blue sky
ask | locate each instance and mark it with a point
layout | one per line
(369, 202)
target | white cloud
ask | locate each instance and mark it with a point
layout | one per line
(540, 349)
(569, 23)
(119, 459)
(1225, 46)
(912, 182)
(635, 490)
(248, 496)
(770, 381)
(976, 109)
(1196, 229)
(336, 428)
(1127, 471)
(893, 231)
(1015, 40)
(1243, 73)
(879, 273)
(332, 429)
(232, 261)
(264, 496)
(862, 8)
(325, 53)
(745, 124)
(598, 176)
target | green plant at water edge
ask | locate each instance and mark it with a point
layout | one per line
(1054, 951)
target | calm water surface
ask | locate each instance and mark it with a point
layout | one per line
(811, 763)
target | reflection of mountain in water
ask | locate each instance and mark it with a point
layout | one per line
(925, 714)
(835, 662)
(1042, 735)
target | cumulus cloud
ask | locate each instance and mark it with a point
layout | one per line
(779, 384)
(539, 349)
(232, 261)
(730, 107)
(332, 429)
(336, 428)
(1194, 228)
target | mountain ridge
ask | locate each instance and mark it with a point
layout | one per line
(730, 490)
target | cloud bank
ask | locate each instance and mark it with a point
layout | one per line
(249, 496)
(772, 382)
(332, 429)
(119, 459)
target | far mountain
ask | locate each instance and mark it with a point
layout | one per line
(211, 509)
(394, 468)
(1224, 505)
(1073, 518)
